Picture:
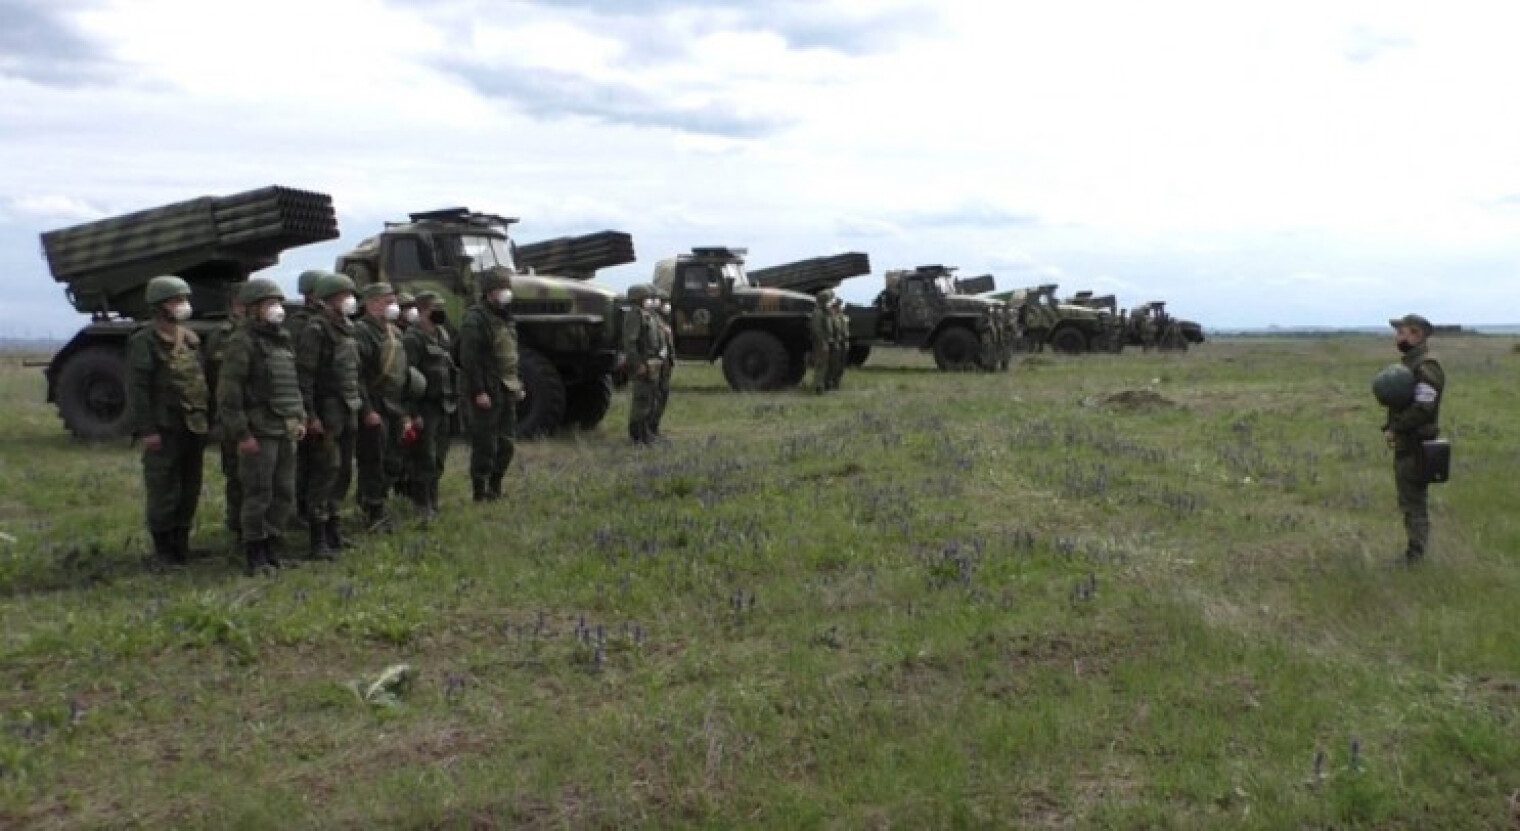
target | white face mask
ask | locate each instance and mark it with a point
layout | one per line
(410, 315)
(392, 311)
(652, 304)
(181, 311)
(275, 314)
(664, 308)
(503, 297)
(349, 306)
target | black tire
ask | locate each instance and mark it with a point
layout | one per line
(858, 354)
(92, 394)
(543, 411)
(756, 361)
(586, 403)
(957, 349)
(1069, 341)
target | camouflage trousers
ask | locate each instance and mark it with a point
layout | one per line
(822, 361)
(377, 454)
(493, 436)
(331, 468)
(426, 458)
(641, 406)
(838, 357)
(1414, 501)
(661, 398)
(269, 487)
(232, 486)
(172, 479)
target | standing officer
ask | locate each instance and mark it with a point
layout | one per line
(216, 353)
(169, 402)
(667, 355)
(641, 351)
(430, 349)
(488, 363)
(1411, 424)
(821, 330)
(259, 399)
(327, 365)
(383, 415)
(839, 348)
(295, 324)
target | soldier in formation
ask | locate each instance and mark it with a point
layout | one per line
(384, 418)
(821, 330)
(295, 324)
(1411, 424)
(643, 343)
(839, 344)
(987, 338)
(169, 400)
(488, 367)
(216, 352)
(661, 318)
(259, 401)
(1011, 335)
(327, 367)
(430, 349)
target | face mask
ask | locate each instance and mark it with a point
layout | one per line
(349, 306)
(1405, 346)
(503, 297)
(274, 315)
(664, 308)
(410, 316)
(651, 304)
(438, 316)
(392, 311)
(180, 311)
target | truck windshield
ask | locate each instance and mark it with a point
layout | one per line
(488, 252)
(946, 285)
(735, 272)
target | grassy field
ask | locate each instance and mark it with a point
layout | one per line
(1133, 591)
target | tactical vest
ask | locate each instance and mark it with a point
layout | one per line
(1418, 360)
(503, 348)
(387, 378)
(181, 380)
(437, 367)
(273, 384)
(338, 374)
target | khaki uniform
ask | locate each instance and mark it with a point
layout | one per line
(169, 398)
(382, 390)
(641, 348)
(258, 395)
(488, 365)
(1411, 425)
(432, 354)
(327, 365)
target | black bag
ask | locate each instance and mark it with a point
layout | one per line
(1435, 461)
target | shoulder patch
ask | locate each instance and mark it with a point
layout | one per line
(1425, 393)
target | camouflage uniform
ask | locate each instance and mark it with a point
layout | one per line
(1411, 425)
(667, 368)
(383, 379)
(986, 329)
(295, 323)
(488, 366)
(641, 349)
(259, 398)
(821, 329)
(216, 351)
(429, 349)
(169, 399)
(327, 365)
(1010, 337)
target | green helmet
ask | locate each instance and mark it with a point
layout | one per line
(1394, 386)
(638, 292)
(404, 299)
(331, 284)
(164, 288)
(825, 296)
(429, 298)
(495, 278)
(260, 289)
(307, 282)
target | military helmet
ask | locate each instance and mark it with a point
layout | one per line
(495, 278)
(638, 292)
(825, 296)
(374, 290)
(1394, 386)
(430, 298)
(307, 282)
(259, 289)
(164, 288)
(331, 284)
(404, 299)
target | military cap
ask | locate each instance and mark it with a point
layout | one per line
(428, 298)
(405, 299)
(374, 290)
(1413, 321)
(307, 282)
(164, 288)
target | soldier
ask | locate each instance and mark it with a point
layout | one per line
(488, 364)
(169, 403)
(216, 352)
(409, 313)
(642, 342)
(1011, 336)
(295, 324)
(327, 366)
(384, 419)
(667, 353)
(1408, 426)
(986, 330)
(259, 399)
(430, 349)
(821, 330)
(839, 347)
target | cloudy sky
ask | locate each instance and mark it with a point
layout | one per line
(1285, 163)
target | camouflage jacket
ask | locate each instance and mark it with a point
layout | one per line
(327, 364)
(488, 358)
(1420, 419)
(382, 368)
(432, 354)
(167, 386)
(821, 328)
(257, 393)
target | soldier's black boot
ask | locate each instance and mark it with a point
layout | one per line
(182, 542)
(255, 553)
(272, 550)
(376, 520)
(332, 535)
(319, 549)
(493, 492)
(165, 550)
(479, 489)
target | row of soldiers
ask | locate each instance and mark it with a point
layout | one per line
(339, 392)
(829, 330)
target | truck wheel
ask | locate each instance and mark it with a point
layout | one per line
(756, 361)
(957, 350)
(92, 394)
(1069, 342)
(859, 352)
(543, 411)
(586, 403)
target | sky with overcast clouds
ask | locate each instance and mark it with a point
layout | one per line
(1287, 163)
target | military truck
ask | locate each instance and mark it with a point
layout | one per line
(928, 309)
(567, 327)
(1112, 338)
(1150, 326)
(1065, 327)
(720, 313)
(213, 243)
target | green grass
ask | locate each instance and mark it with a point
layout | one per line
(927, 601)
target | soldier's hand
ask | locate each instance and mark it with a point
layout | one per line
(300, 432)
(249, 446)
(520, 393)
(153, 443)
(483, 401)
(372, 420)
(314, 428)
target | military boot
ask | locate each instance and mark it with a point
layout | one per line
(332, 535)
(256, 555)
(182, 542)
(319, 549)
(165, 549)
(493, 493)
(273, 548)
(480, 489)
(376, 519)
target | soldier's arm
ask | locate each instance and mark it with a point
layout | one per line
(1430, 381)
(308, 362)
(470, 368)
(632, 322)
(229, 390)
(509, 367)
(140, 370)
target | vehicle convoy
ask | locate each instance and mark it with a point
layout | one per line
(212, 243)
(1068, 328)
(928, 309)
(719, 313)
(1151, 327)
(566, 325)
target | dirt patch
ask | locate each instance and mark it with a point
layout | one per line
(1131, 401)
